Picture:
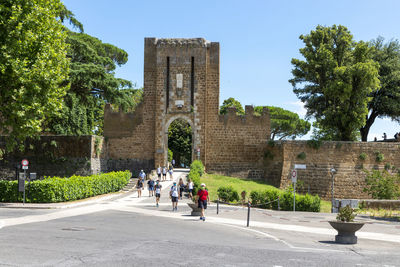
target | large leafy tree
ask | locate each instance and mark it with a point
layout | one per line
(93, 83)
(180, 141)
(231, 102)
(284, 123)
(335, 80)
(33, 67)
(385, 101)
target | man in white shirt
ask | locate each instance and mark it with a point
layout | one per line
(174, 195)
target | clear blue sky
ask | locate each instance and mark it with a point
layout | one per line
(257, 38)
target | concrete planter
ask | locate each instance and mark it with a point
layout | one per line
(346, 231)
(196, 211)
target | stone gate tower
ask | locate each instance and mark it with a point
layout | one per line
(181, 81)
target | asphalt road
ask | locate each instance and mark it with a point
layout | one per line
(113, 238)
(132, 232)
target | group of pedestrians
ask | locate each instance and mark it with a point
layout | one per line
(175, 193)
(163, 171)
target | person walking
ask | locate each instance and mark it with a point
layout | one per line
(173, 194)
(203, 198)
(171, 171)
(159, 172)
(139, 187)
(181, 187)
(150, 187)
(190, 189)
(164, 173)
(142, 175)
(157, 189)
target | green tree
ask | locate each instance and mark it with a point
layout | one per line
(335, 80)
(33, 66)
(231, 102)
(385, 101)
(180, 141)
(93, 83)
(284, 123)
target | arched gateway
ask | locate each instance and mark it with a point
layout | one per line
(181, 80)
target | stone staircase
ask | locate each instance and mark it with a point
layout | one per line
(130, 185)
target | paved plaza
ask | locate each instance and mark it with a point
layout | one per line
(122, 230)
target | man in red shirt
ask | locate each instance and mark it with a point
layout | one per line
(203, 198)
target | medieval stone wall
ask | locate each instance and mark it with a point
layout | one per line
(236, 143)
(342, 156)
(55, 156)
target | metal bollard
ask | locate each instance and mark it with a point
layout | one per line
(217, 206)
(248, 213)
(279, 206)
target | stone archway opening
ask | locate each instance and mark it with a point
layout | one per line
(180, 142)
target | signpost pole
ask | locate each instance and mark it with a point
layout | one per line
(24, 184)
(294, 198)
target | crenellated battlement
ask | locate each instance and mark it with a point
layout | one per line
(249, 118)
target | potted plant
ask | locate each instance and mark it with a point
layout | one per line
(346, 226)
(196, 211)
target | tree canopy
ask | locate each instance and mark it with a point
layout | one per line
(335, 80)
(284, 123)
(92, 84)
(385, 101)
(180, 141)
(33, 66)
(231, 102)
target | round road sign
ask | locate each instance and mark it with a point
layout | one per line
(25, 162)
(294, 174)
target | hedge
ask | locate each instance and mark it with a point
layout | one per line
(56, 189)
(196, 171)
(227, 194)
(303, 202)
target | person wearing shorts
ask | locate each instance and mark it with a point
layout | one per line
(164, 173)
(150, 187)
(157, 189)
(139, 187)
(159, 172)
(174, 195)
(203, 198)
(190, 188)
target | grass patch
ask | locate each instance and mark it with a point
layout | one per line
(381, 213)
(326, 206)
(215, 181)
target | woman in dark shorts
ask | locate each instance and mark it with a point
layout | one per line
(203, 198)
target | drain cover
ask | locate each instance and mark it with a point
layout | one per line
(77, 229)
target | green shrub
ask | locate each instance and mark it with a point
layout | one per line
(198, 166)
(196, 171)
(346, 214)
(382, 184)
(227, 194)
(379, 156)
(303, 202)
(314, 143)
(363, 156)
(56, 189)
(302, 155)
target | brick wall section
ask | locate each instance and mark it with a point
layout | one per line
(56, 156)
(343, 156)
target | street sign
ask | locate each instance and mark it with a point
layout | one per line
(294, 176)
(24, 167)
(198, 150)
(300, 166)
(25, 162)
